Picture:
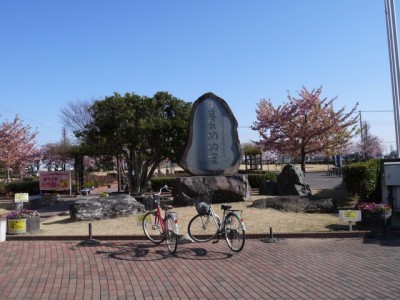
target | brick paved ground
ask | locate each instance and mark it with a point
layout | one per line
(351, 268)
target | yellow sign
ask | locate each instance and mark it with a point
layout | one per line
(350, 215)
(16, 226)
(21, 197)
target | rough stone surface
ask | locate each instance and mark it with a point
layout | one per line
(234, 188)
(268, 187)
(291, 181)
(297, 204)
(105, 207)
(49, 199)
(213, 146)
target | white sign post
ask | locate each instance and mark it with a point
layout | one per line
(21, 197)
(350, 216)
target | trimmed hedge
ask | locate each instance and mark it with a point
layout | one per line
(158, 182)
(251, 150)
(31, 187)
(362, 179)
(255, 180)
(2, 188)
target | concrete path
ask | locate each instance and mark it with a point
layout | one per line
(352, 268)
(320, 180)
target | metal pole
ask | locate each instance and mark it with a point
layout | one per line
(397, 74)
(361, 128)
(394, 64)
(90, 231)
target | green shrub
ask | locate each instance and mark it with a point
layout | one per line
(255, 172)
(96, 180)
(251, 149)
(256, 179)
(158, 182)
(362, 179)
(2, 188)
(30, 187)
(89, 184)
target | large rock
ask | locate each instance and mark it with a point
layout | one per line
(291, 181)
(268, 187)
(105, 207)
(221, 188)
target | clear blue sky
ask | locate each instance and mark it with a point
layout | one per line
(55, 52)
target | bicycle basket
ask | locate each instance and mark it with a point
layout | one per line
(202, 208)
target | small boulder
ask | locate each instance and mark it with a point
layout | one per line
(291, 181)
(99, 208)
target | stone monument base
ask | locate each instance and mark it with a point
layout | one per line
(221, 189)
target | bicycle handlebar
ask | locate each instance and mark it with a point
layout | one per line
(165, 187)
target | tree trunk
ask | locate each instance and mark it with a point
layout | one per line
(7, 175)
(130, 174)
(303, 160)
(134, 172)
(119, 177)
(79, 172)
(138, 173)
(137, 178)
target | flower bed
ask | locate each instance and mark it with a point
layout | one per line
(23, 221)
(373, 207)
(374, 215)
(22, 214)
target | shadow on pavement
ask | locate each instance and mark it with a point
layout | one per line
(152, 252)
(383, 240)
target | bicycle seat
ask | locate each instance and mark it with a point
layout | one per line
(225, 207)
(167, 207)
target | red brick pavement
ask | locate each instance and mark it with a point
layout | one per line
(351, 268)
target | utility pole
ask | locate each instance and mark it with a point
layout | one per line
(361, 128)
(394, 65)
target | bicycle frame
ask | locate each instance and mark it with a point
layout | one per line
(160, 217)
(214, 217)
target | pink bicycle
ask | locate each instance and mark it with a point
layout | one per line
(158, 227)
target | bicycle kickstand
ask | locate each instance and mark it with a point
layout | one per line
(214, 242)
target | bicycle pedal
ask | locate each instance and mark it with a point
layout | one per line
(214, 242)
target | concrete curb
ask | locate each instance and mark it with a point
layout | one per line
(347, 234)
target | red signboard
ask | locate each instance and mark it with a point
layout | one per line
(55, 181)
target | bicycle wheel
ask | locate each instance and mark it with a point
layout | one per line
(234, 232)
(152, 227)
(170, 234)
(202, 228)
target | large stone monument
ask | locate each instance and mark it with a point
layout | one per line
(212, 155)
(213, 146)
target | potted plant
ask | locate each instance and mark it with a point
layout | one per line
(23, 221)
(374, 214)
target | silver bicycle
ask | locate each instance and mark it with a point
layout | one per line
(207, 225)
